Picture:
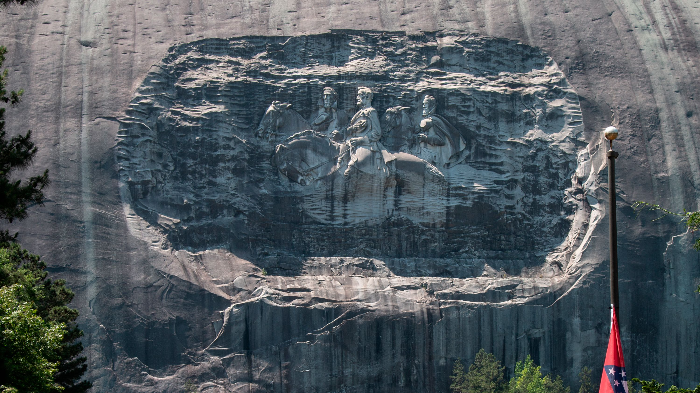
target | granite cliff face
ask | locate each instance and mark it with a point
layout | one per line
(504, 221)
(204, 254)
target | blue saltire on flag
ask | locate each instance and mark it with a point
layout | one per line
(614, 378)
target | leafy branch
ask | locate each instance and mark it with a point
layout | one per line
(691, 219)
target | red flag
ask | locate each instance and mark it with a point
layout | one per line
(614, 378)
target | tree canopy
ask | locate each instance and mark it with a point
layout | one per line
(29, 344)
(485, 375)
(528, 379)
(584, 377)
(656, 387)
(690, 218)
(17, 152)
(50, 299)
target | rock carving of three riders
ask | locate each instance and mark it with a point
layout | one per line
(329, 143)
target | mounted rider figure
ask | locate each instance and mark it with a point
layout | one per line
(328, 117)
(362, 144)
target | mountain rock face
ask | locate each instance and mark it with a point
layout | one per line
(245, 199)
(318, 245)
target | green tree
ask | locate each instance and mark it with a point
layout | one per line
(51, 299)
(584, 378)
(528, 379)
(48, 298)
(691, 220)
(656, 387)
(16, 195)
(485, 375)
(28, 344)
(458, 378)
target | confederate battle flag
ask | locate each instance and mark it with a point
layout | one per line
(614, 379)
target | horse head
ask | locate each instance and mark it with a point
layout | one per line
(272, 121)
(398, 128)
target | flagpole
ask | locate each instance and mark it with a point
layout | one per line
(611, 134)
(614, 378)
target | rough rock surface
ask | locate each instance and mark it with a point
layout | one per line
(497, 226)
(192, 164)
(160, 309)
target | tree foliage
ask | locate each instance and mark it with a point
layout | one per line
(584, 378)
(17, 152)
(458, 378)
(528, 379)
(656, 387)
(691, 219)
(50, 299)
(29, 344)
(485, 375)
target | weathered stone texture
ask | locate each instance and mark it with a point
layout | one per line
(151, 303)
(192, 164)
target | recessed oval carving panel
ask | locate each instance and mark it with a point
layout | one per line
(220, 149)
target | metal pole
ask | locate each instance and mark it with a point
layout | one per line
(614, 292)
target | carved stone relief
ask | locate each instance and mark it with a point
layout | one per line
(443, 150)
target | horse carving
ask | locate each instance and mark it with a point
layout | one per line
(280, 121)
(306, 156)
(398, 129)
